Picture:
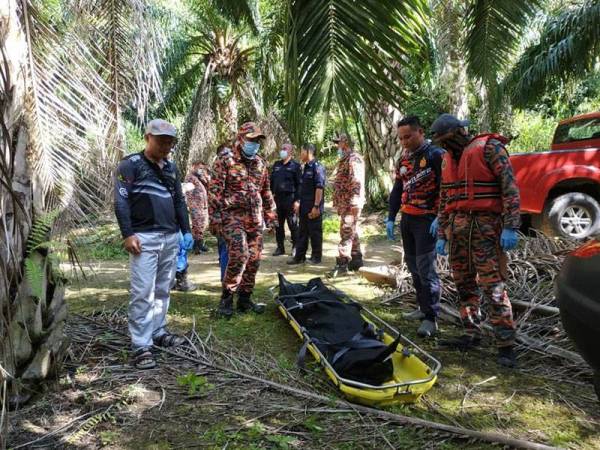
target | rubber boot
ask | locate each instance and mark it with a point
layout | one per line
(507, 357)
(197, 247)
(340, 269)
(225, 308)
(356, 262)
(245, 304)
(182, 284)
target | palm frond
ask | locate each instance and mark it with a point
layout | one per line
(238, 11)
(340, 51)
(568, 48)
(126, 36)
(494, 30)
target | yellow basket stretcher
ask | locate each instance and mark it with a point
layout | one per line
(412, 376)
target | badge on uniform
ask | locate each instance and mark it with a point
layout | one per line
(423, 163)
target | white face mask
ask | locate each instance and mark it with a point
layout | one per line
(283, 154)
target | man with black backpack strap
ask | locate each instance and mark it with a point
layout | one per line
(151, 211)
(416, 195)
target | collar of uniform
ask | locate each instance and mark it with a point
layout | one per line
(311, 163)
(166, 163)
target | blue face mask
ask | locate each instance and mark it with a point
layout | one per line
(250, 149)
(340, 153)
(283, 154)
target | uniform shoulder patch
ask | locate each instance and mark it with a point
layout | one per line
(133, 157)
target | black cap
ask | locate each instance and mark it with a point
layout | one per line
(447, 122)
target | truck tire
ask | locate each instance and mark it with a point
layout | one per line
(574, 215)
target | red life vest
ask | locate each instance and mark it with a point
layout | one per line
(470, 184)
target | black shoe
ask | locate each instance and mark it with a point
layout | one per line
(245, 305)
(314, 260)
(293, 261)
(279, 251)
(462, 343)
(340, 269)
(507, 357)
(225, 308)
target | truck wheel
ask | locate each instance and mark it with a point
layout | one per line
(574, 215)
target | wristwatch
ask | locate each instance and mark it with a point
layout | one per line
(316, 206)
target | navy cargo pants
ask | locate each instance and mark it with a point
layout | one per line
(420, 257)
(285, 213)
(310, 229)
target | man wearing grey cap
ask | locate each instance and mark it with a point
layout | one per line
(152, 215)
(478, 220)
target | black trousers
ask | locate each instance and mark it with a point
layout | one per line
(310, 229)
(420, 257)
(285, 213)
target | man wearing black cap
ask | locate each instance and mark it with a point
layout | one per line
(151, 211)
(478, 217)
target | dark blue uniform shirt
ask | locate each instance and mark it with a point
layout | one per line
(148, 198)
(285, 179)
(313, 177)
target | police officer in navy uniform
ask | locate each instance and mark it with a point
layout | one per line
(285, 183)
(310, 208)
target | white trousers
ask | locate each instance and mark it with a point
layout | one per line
(152, 272)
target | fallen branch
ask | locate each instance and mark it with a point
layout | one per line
(452, 314)
(392, 417)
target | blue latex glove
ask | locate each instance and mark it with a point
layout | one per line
(433, 228)
(508, 239)
(440, 247)
(389, 229)
(188, 241)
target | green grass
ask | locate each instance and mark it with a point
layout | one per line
(516, 403)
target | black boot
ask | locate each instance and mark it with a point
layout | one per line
(197, 247)
(202, 246)
(245, 305)
(340, 269)
(507, 357)
(225, 309)
(182, 283)
(279, 251)
(356, 263)
(462, 343)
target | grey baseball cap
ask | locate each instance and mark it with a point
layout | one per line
(447, 122)
(160, 127)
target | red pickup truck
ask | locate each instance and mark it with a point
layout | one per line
(560, 188)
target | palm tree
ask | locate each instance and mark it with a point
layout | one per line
(56, 147)
(568, 48)
(214, 64)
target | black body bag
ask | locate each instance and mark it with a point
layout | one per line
(351, 345)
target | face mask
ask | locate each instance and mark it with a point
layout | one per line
(283, 154)
(250, 149)
(340, 153)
